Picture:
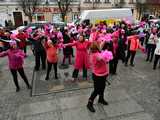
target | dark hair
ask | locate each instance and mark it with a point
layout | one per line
(158, 35)
(54, 40)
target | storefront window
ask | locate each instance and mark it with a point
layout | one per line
(75, 16)
(40, 17)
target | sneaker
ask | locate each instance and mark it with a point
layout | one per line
(132, 65)
(90, 107)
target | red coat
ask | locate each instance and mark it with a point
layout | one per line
(82, 55)
(22, 37)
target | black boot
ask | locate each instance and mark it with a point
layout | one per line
(102, 101)
(90, 106)
(47, 78)
(56, 77)
(17, 89)
(29, 87)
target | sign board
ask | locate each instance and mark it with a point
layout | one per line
(47, 9)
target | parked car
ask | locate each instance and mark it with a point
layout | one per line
(58, 24)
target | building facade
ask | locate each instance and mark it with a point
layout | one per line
(48, 10)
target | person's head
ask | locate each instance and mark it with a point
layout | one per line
(81, 38)
(20, 31)
(122, 31)
(66, 31)
(54, 40)
(94, 47)
(13, 44)
(49, 42)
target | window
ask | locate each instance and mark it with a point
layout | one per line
(107, 1)
(87, 1)
(122, 1)
(131, 1)
(40, 17)
(97, 1)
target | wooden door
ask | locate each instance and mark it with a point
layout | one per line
(18, 19)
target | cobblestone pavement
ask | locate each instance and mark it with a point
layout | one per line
(133, 95)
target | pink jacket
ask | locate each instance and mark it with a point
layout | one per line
(99, 61)
(15, 58)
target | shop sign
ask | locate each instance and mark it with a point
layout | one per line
(47, 9)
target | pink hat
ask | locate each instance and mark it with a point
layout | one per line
(12, 42)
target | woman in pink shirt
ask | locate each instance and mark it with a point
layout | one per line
(15, 58)
(100, 71)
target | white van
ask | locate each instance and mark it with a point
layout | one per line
(107, 14)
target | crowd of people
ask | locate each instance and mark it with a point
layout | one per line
(98, 47)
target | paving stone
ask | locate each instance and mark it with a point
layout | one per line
(136, 116)
(35, 108)
(144, 116)
(73, 102)
(122, 108)
(43, 116)
(76, 114)
(55, 88)
(85, 84)
(116, 95)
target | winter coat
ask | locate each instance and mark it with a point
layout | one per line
(15, 58)
(82, 55)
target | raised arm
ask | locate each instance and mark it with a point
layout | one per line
(4, 53)
(70, 44)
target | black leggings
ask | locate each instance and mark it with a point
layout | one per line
(157, 58)
(22, 74)
(150, 52)
(40, 56)
(76, 71)
(99, 86)
(113, 65)
(50, 67)
(132, 55)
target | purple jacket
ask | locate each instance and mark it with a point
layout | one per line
(15, 58)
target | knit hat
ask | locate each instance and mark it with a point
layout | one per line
(12, 42)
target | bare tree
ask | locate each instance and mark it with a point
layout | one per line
(64, 7)
(141, 7)
(29, 7)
